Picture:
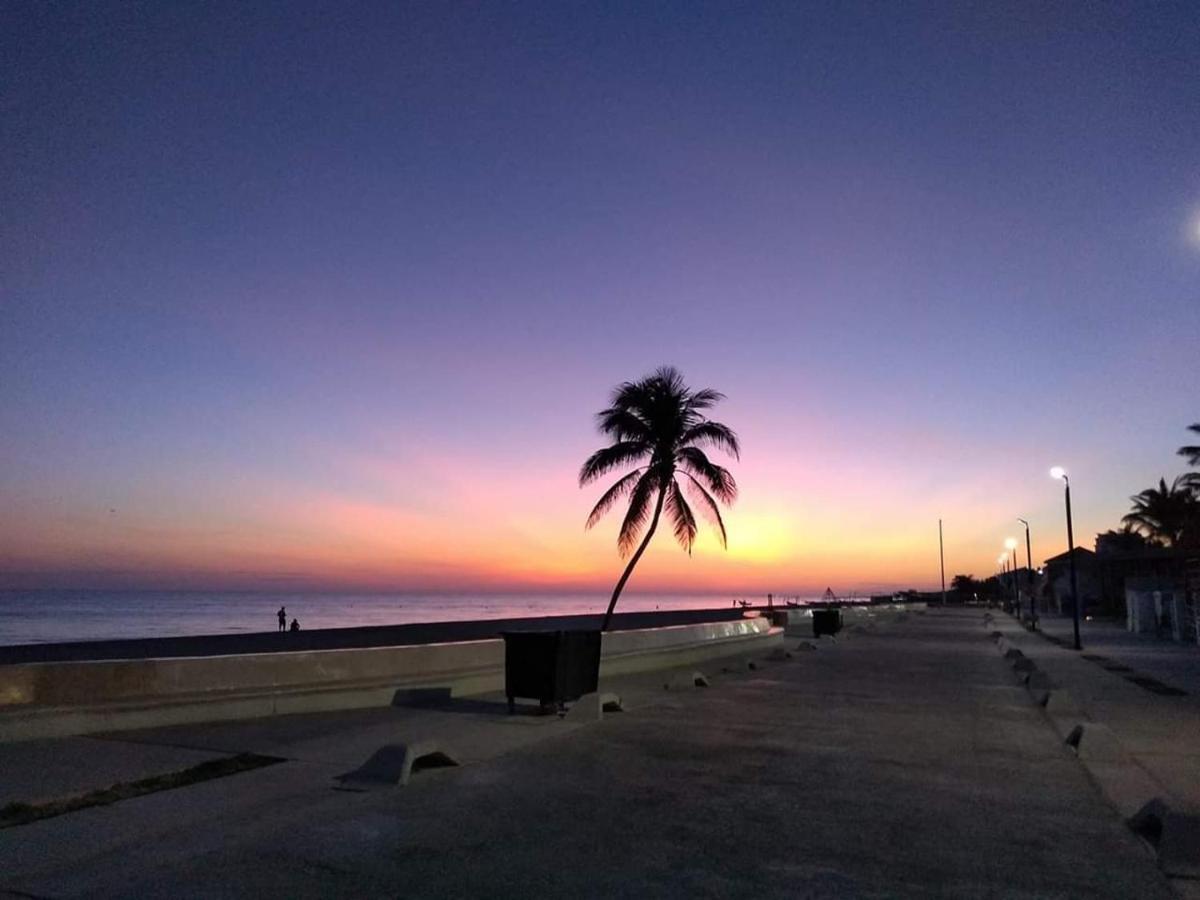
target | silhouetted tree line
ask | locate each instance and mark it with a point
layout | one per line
(1168, 515)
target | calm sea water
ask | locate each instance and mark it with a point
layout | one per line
(32, 617)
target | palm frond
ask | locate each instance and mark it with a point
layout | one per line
(669, 380)
(705, 398)
(622, 424)
(717, 478)
(638, 512)
(713, 434)
(683, 521)
(632, 395)
(623, 486)
(609, 458)
(707, 505)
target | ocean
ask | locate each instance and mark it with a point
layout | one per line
(35, 617)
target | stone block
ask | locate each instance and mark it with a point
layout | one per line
(592, 707)
(394, 764)
(805, 646)
(1179, 845)
(683, 681)
(1174, 833)
(1095, 742)
(1147, 821)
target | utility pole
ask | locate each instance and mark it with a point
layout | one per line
(942, 559)
(1029, 576)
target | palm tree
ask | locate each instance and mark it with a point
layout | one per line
(1163, 513)
(660, 423)
(1192, 452)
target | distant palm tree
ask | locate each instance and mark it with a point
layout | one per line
(1192, 452)
(1163, 513)
(660, 423)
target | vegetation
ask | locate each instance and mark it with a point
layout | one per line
(966, 585)
(1124, 541)
(1169, 514)
(660, 423)
(1162, 513)
(1192, 452)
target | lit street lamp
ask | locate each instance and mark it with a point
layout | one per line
(1060, 472)
(1029, 575)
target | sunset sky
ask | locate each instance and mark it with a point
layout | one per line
(299, 295)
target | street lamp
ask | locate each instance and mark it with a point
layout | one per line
(1002, 562)
(1010, 544)
(1029, 576)
(1060, 472)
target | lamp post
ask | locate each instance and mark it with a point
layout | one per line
(942, 561)
(1002, 561)
(1060, 472)
(1029, 575)
(1010, 544)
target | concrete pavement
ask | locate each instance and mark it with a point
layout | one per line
(902, 761)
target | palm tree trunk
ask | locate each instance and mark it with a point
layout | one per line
(662, 495)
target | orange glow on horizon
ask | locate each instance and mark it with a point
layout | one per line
(430, 521)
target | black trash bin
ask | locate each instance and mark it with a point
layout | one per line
(826, 621)
(552, 667)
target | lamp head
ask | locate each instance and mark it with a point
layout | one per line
(1058, 472)
(1002, 558)
(1010, 543)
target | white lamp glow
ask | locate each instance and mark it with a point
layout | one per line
(1058, 472)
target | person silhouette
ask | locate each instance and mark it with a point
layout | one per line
(295, 625)
(282, 619)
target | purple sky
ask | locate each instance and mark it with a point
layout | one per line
(329, 294)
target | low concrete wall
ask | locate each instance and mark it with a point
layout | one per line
(54, 699)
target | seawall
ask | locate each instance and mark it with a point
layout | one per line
(50, 699)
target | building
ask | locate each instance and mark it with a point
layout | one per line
(1123, 557)
(1056, 584)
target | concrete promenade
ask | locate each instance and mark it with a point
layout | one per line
(903, 760)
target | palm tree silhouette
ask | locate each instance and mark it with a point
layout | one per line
(1163, 513)
(1192, 452)
(661, 423)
